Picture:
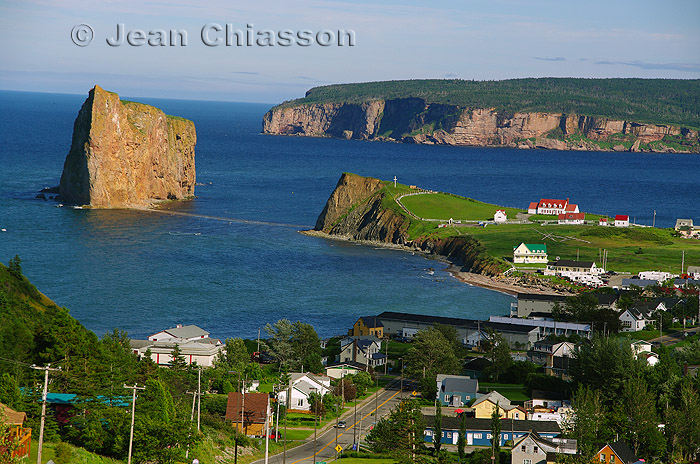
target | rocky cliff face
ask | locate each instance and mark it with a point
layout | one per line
(412, 120)
(127, 154)
(356, 210)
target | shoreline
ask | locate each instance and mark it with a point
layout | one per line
(469, 278)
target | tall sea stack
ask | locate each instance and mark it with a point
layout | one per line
(126, 154)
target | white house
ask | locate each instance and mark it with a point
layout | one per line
(529, 253)
(555, 207)
(365, 350)
(622, 220)
(500, 216)
(203, 351)
(634, 320)
(640, 346)
(571, 218)
(302, 386)
(603, 222)
(659, 276)
(562, 265)
(532, 209)
(693, 272)
(340, 370)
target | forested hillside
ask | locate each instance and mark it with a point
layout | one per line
(666, 101)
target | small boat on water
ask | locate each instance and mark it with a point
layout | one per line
(185, 233)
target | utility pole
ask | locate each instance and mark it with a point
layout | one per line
(199, 398)
(194, 397)
(314, 389)
(386, 355)
(683, 262)
(43, 406)
(133, 411)
(286, 408)
(258, 341)
(267, 431)
(653, 223)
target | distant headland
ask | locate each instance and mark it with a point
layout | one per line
(126, 154)
(638, 115)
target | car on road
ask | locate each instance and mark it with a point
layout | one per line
(341, 424)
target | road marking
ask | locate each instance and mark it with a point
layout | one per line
(313, 457)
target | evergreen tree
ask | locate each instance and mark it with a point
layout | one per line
(495, 431)
(178, 361)
(15, 266)
(462, 440)
(437, 434)
(431, 354)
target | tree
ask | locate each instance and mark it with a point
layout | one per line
(461, 440)
(294, 345)
(683, 423)
(437, 432)
(640, 425)
(10, 394)
(362, 381)
(15, 266)
(495, 432)
(588, 420)
(400, 433)
(178, 362)
(431, 353)
(605, 364)
(498, 352)
(156, 401)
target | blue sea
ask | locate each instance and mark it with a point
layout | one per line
(243, 264)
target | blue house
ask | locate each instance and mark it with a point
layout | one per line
(478, 432)
(456, 390)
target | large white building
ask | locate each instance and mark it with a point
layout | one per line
(529, 253)
(194, 343)
(552, 207)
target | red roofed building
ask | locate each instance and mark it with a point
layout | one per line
(532, 209)
(255, 408)
(572, 218)
(555, 207)
(622, 220)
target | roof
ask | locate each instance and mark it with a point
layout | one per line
(452, 423)
(255, 405)
(534, 248)
(622, 451)
(372, 321)
(540, 297)
(572, 263)
(347, 365)
(639, 282)
(570, 208)
(187, 331)
(460, 384)
(477, 364)
(622, 217)
(568, 215)
(533, 205)
(555, 203)
(494, 397)
(12, 417)
(605, 299)
(547, 395)
(502, 327)
(406, 317)
(693, 269)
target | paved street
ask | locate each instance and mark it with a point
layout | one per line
(386, 400)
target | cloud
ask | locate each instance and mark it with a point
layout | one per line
(684, 67)
(252, 73)
(556, 58)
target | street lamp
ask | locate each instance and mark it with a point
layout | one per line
(314, 389)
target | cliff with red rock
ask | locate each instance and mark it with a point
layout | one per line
(126, 154)
(413, 120)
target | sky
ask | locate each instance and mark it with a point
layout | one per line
(393, 39)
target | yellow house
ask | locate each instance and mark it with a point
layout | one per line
(484, 405)
(530, 253)
(367, 325)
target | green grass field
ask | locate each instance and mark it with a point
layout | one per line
(445, 206)
(630, 249)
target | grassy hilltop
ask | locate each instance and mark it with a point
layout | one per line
(630, 249)
(660, 101)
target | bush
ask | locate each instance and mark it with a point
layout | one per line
(63, 453)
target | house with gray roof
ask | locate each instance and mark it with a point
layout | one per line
(186, 332)
(456, 390)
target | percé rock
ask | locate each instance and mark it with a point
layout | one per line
(356, 210)
(412, 120)
(127, 154)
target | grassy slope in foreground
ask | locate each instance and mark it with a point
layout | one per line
(656, 101)
(629, 249)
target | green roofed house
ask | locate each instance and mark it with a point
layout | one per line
(529, 253)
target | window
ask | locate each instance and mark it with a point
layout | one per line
(477, 436)
(523, 449)
(612, 458)
(447, 398)
(535, 450)
(602, 457)
(527, 461)
(449, 434)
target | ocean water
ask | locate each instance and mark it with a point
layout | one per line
(239, 262)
